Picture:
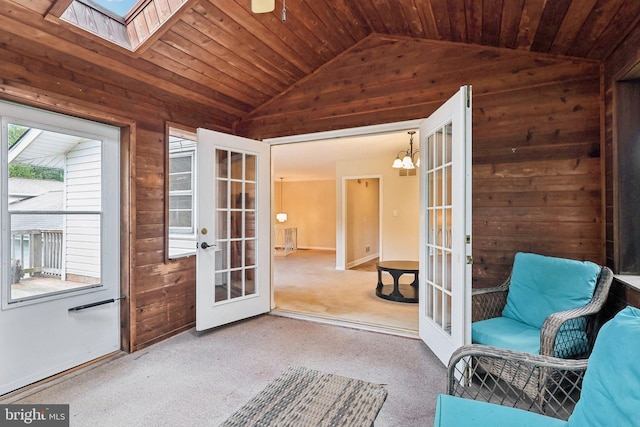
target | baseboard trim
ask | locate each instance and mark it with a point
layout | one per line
(361, 261)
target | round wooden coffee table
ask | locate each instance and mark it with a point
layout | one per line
(399, 292)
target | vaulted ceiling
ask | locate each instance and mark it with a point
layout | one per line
(218, 56)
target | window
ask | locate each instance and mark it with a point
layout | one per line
(57, 205)
(628, 176)
(182, 193)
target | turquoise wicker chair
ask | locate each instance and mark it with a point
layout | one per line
(609, 380)
(548, 306)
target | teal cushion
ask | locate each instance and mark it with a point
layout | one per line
(504, 332)
(541, 285)
(610, 395)
(457, 412)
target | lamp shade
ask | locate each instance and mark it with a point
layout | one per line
(397, 163)
(281, 217)
(407, 163)
(262, 6)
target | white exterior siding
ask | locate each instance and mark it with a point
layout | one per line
(83, 181)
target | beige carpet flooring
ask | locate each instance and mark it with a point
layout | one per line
(199, 380)
(306, 283)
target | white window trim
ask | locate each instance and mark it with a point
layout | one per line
(184, 146)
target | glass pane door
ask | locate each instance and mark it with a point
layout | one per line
(235, 265)
(233, 268)
(439, 208)
(445, 226)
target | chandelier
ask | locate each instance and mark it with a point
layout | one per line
(408, 159)
(281, 216)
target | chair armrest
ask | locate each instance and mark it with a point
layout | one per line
(538, 360)
(496, 375)
(489, 302)
(553, 323)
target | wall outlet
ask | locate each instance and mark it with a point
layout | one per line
(367, 248)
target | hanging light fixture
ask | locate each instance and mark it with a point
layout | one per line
(405, 159)
(281, 216)
(266, 6)
(262, 6)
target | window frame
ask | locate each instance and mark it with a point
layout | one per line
(180, 245)
(177, 230)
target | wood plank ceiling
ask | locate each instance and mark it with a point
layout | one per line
(227, 61)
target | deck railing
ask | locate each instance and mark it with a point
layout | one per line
(37, 252)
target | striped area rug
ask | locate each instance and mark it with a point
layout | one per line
(306, 397)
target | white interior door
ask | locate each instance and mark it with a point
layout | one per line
(234, 215)
(445, 226)
(59, 250)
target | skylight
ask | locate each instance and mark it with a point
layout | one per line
(127, 23)
(119, 7)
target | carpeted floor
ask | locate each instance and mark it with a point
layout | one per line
(200, 380)
(307, 283)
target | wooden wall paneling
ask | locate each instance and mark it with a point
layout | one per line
(529, 22)
(594, 26)
(491, 20)
(110, 64)
(351, 21)
(510, 23)
(536, 157)
(333, 39)
(442, 20)
(370, 15)
(550, 22)
(628, 17)
(427, 19)
(473, 9)
(575, 17)
(411, 19)
(259, 31)
(246, 77)
(457, 20)
(268, 61)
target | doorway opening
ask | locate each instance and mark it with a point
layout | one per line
(329, 184)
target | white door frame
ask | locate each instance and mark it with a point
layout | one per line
(343, 133)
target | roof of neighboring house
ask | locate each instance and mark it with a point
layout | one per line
(44, 148)
(28, 187)
(37, 195)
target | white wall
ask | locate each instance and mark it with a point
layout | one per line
(362, 220)
(400, 208)
(83, 192)
(310, 207)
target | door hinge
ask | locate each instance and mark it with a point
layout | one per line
(469, 259)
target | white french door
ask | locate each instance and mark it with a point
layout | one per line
(445, 226)
(233, 269)
(60, 243)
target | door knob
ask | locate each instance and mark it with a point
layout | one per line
(205, 245)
